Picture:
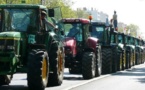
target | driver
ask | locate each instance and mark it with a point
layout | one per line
(45, 23)
(73, 30)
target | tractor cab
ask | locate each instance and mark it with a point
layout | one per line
(76, 34)
(97, 30)
(130, 40)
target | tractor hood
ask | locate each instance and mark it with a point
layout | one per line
(121, 45)
(132, 46)
(92, 42)
(10, 35)
(70, 41)
(70, 45)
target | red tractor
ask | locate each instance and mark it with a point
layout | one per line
(82, 52)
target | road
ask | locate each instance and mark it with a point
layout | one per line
(131, 79)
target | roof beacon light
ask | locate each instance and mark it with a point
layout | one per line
(90, 17)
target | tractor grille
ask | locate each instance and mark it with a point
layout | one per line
(6, 45)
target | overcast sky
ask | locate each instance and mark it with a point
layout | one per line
(128, 11)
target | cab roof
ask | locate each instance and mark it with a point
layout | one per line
(98, 23)
(22, 6)
(75, 20)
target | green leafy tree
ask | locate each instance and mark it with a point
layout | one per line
(65, 7)
(82, 14)
(120, 29)
(132, 29)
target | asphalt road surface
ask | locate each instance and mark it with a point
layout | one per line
(131, 79)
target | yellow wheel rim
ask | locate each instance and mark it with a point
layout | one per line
(124, 58)
(121, 61)
(60, 61)
(44, 69)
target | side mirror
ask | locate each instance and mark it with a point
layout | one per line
(51, 12)
(90, 28)
(56, 28)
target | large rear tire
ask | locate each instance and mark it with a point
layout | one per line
(106, 60)
(38, 70)
(99, 62)
(88, 65)
(114, 60)
(57, 66)
(137, 58)
(127, 60)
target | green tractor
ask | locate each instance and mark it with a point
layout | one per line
(124, 53)
(130, 45)
(108, 42)
(142, 50)
(139, 51)
(27, 48)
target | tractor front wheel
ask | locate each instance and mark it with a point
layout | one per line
(99, 62)
(57, 66)
(38, 70)
(88, 65)
(106, 60)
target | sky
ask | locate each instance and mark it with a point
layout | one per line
(128, 11)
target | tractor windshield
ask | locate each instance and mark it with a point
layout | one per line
(132, 41)
(120, 39)
(73, 30)
(136, 42)
(19, 19)
(97, 32)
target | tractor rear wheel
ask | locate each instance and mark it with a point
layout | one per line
(99, 63)
(114, 60)
(121, 61)
(57, 67)
(88, 65)
(127, 60)
(106, 60)
(38, 70)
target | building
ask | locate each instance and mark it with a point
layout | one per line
(97, 15)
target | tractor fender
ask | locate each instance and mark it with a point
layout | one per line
(92, 43)
(70, 43)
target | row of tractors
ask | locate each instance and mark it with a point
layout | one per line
(43, 51)
(96, 49)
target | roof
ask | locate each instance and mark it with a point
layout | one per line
(75, 20)
(22, 6)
